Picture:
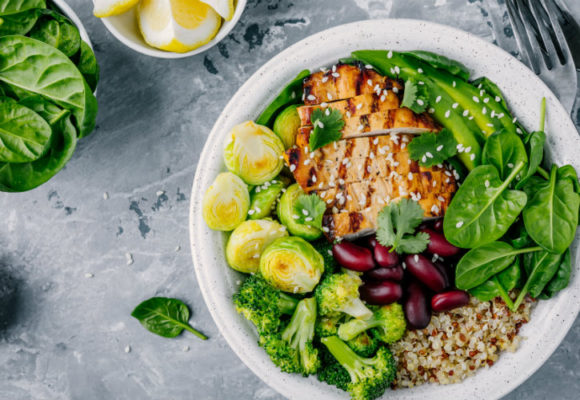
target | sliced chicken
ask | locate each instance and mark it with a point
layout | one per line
(402, 119)
(345, 81)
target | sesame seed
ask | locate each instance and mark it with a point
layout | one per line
(497, 98)
(424, 159)
(515, 120)
(441, 198)
(383, 98)
(416, 258)
(447, 113)
(127, 349)
(501, 115)
(89, 275)
(476, 99)
(465, 113)
(510, 165)
(481, 92)
(329, 96)
(459, 224)
(395, 90)
(327, 112)
(335, 74)
(486, 100)
(390, 54)
(420, 70)
(368, 66)
(360, 127)
(311, 97)
(454, 84)
(308, 219)
(410, 176)
(440, 147)
(431, 110)
(348, 115)
(468, 149)
(376, 141)
(397, 70)
(420, 102)
(421, 83)
(484, 110)
(359, 106)
(455, 105)
(487, 183)
(428, 154)
(472, 157)
(324, 79)
(438, 99)
(370, 82)
(292, 168)
(490, 125)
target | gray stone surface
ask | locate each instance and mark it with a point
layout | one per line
(66, 287)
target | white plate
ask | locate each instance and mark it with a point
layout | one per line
(124, 27)
(523, 90)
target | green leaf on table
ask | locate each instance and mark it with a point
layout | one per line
(431, 148)
(396, 227)
(327, 125)
(165, 317)
(309, 208)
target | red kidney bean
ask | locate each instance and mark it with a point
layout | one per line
(449, 300)
(416, 307)
(382, 274)
(384, 256)
(438, 225)
(443, 269)
(439, 245)
(424, 270)
(353, 257)
(381, 293)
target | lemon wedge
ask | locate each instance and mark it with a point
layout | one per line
(177, 25)
(225, 8)
(108, 8)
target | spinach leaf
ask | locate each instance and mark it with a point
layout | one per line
(519, 237)
(58, 31)
(504, 150)
(568, 172)
(535, 144)
(551, 215)
(18, 24)
(499, 285)
(26, 176)
(540, 268)
(24, 135)
(165, 317)
(291, 94)
(87, 64)
(561, 279)
(483, 208)
(441, 62)
(52, 75)
(480, 264)
(8, 7)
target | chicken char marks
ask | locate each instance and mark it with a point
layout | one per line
(365, 170)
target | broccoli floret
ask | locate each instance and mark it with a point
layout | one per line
(364, 344)
(387, 324)
(263, 304)
(331, 371)
(292, 349)
(369, 377)
(328, 325)
(325, 249)
(339, 293)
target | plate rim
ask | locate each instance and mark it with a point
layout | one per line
(282, 385)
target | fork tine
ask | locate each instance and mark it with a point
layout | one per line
(542, 20)
(554, 14)
(519, 30)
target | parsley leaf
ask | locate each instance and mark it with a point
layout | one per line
(309, 208)
(415, 96)
(432, 148)
(327, 125)
(396, 227)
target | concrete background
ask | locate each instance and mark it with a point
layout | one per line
(77, 254)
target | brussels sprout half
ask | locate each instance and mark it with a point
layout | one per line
(226, 202)
(286, 215)
(292, 265)
(254, 153)
(286, 125)
(247, 242)
(263, 198)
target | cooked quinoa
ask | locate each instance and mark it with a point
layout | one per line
(458, 342)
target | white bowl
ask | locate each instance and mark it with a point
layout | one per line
(124, 27)
(550, 319)
(66, 10)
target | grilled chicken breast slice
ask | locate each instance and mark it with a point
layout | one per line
(355, 106)
(366, 125)
(344, 81)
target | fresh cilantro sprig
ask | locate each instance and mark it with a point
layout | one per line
(396, 227)
(327, 127)
(309, 210)
(433, 148)
(415, 96)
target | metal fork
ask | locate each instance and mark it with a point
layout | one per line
(543, 46)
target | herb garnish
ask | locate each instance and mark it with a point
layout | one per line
(433, 148)
(327, 127)
(415, 97)
(396, 227)
(309, 210)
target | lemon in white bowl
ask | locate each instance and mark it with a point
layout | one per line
(177, 25)
(108, 8)
(225, 8)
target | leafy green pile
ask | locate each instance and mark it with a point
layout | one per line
(47, 78)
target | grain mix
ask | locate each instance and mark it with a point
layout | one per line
(458, 342)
